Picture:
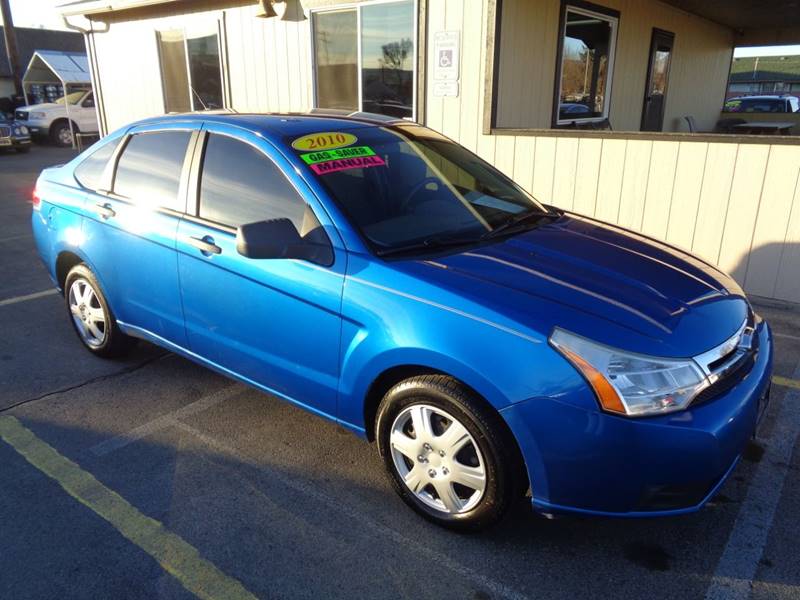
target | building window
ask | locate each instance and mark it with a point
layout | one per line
(365, 58)
(586, 61)
(191, 70)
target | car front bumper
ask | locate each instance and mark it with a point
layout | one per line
(37, 128)
(15, 142)
(591, 462)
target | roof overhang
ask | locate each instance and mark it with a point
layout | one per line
(756, 22)
(123, 10)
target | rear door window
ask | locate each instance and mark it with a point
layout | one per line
(149, 169)
(90, 172)
(239, 184)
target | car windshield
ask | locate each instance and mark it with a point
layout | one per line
(408, 185)
(72, 97)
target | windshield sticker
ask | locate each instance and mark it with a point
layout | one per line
(327, 140)
(361, 162)
(352, 152)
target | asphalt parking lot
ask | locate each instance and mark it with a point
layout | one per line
(154, 477)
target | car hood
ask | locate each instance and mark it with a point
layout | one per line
(619, 279)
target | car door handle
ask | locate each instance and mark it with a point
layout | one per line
(105, 210)
(205, 244)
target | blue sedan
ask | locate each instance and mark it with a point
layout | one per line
(380, 275)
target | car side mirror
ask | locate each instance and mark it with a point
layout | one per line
(279, 238)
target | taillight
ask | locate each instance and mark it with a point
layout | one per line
(36, 200)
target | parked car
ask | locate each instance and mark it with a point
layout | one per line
(568, 109)
(763, 104)
(14, 135)
(51, 119)
(380, 275)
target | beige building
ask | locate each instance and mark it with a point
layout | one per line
(584, 104)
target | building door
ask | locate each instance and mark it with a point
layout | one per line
(655, 92)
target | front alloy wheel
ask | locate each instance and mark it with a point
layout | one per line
(438, 459)
(449, 454)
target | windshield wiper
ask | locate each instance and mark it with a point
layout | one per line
(519, 220)
(430, 243)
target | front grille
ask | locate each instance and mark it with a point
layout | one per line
(731, 378)
(5, 132)
(21, 115)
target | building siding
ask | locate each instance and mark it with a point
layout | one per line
(735, 205)
(529, 43)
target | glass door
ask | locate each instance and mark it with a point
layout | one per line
(655, 93)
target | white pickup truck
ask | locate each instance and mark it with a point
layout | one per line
(50, 119)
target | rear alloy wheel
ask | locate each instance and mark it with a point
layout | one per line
(448, 454)
(91, 316)
(88, 314)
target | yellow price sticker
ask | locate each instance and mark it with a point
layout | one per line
(326, 140)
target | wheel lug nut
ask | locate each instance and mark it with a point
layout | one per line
(432, 472)
(427, 446)
(441, 452)
(445, 471)
(422, 459)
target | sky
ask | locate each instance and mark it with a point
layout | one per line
(767, 51)
(37, 13)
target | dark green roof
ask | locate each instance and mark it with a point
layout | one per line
(766, 68)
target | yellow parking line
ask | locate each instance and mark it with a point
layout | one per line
(175, 555)
(786, 382)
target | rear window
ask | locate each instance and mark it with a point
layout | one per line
(149, 169)
(90, 172)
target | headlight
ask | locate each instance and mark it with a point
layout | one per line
(17, 131)
(24, 130)
(37, 115)
(632, 384)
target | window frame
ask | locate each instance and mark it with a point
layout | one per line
(222, 44)
(358, 6)
(590, 10)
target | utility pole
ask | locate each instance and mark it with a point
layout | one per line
(11, 45)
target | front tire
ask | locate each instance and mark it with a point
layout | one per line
(448, 455)
(91, 317)
(61, 134)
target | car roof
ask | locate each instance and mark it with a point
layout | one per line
(762, 97)
(277, 126)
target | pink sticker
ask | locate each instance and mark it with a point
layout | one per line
(359, 162)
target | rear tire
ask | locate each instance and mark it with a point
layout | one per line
(91, 317)
(463, 471)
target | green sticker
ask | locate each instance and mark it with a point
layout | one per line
(313, 158)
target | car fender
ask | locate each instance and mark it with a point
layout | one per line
(64, 242)
(357, 378)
